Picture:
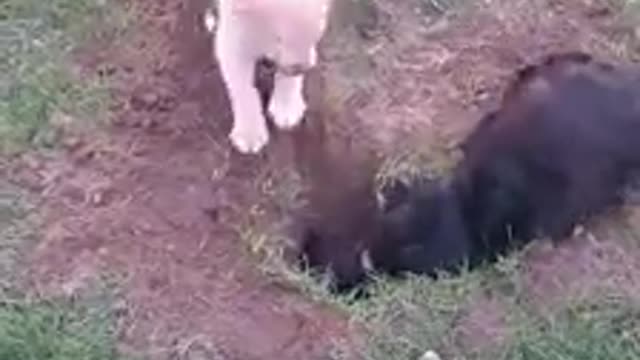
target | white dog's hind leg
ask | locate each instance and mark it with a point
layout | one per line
(287, 104)
(249, 133)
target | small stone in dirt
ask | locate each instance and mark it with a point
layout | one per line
(61, 120)
(101, 197)
(144, 101)
(430, 355)
(97, 199)
(148, 123)
(152, 101)
(72, 143)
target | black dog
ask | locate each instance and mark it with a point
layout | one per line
(562, 146)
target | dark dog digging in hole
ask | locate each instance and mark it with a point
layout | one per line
(561, 147)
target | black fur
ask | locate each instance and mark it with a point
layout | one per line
(560, 148)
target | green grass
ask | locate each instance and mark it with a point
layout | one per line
(591, 330)
(35, 328)
(36, 84)
(56, 330)
(410, 318)
(16, 230)
(406, 319)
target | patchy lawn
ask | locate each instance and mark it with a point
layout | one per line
(40, 97)
(32, 329)
(39, 93)
(190, 228)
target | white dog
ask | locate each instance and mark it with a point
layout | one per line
(284, 31)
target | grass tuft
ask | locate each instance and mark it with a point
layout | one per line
(47, 330)
(407, 318)
(36, 83)
(585, 331)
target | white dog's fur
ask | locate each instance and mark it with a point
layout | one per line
(284, 31)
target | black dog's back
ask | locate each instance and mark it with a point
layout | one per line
(559, 149)
(555, 102)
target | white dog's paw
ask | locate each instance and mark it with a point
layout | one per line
(287, 114)
(210, 20)
(249, 140)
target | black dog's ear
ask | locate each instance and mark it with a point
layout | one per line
(392, 195)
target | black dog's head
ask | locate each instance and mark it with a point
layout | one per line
(417, 228)
(422, 229)
(331, 253)
(335, 232)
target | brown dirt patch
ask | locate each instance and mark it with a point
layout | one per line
(163, 200)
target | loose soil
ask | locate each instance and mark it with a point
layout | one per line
(161, 199)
